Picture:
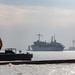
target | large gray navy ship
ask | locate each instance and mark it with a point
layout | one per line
(46, 46)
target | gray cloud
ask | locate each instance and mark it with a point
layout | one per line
(16, 15)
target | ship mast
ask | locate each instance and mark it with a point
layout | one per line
(39, 35)
(54, 38)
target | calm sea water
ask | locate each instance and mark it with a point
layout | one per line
(52, 55)
(42, 69)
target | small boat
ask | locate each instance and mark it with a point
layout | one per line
(10, 54)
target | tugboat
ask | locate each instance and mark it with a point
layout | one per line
(11, 55)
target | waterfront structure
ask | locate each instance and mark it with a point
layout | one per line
(72, 47)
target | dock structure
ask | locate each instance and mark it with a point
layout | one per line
(38, 62)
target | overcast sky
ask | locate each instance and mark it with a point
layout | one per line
(22, 20)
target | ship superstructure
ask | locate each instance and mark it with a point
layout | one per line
(47, 46)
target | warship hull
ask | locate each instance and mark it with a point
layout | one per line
(36, 48)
